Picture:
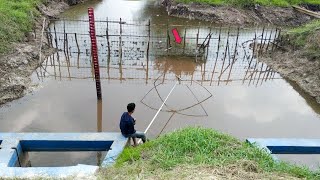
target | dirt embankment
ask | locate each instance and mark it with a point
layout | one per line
(228, 15)
(299, 69)
(17, 66)
(301, 65)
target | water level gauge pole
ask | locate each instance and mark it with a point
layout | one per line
(94, 51)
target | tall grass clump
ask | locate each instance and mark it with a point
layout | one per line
(200, 146)
(305, 38)
(15, 21)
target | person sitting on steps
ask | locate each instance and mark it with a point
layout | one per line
(127, 123)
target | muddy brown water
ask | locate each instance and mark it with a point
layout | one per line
(245, 98)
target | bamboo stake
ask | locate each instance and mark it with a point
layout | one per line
(197, 41)
(64, 36)
(264, 74)
(264, 42)
(40, 49)
(259, 74)
(58, 59)
(54, 67)
(255, 71)
(269, 40)
(76, 39)
(184, 39)
(120, 43)
(218, 48)
(253, 54)
(279, 38)
(67, 44)
(107, 35)
(268, 73)
(234, 55)
(48, 39)
(78, 57)
(225, 56)
(274, 39)
(208, 44)
(259, 52)
(55, 35)
(168, 38)
(148, 46)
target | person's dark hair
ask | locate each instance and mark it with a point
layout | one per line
(131, 107)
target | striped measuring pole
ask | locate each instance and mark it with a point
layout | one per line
(94, 51)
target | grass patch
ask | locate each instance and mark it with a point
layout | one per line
(250, 3)
(199, 146)
(305, 38)
(15, 21)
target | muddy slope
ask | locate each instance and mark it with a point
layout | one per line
(299, 69)
(17, 66)
(236, 16)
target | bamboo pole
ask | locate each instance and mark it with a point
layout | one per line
(64, 36)
(208, 44)
(67, 45)
(168, 38)
(253, 54)
(264, 74)
(269, 40)
(234, 55)
(78, 56)
(197, 42)
(264, 42)
(184, 39)
(108, 41)
(58, 59)
(76, 39)
(217, 55)
(55, 35)
(40, 49)
(120, 42)
(259, 75)
(48, 39)
(54, 67)
(259, 52)
(278, 38)
(148, 46)
(274, 39)
(225, 56)
(269, 70)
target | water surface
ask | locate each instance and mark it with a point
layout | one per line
(241, 96)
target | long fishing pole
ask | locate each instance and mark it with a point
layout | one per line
(155, 116)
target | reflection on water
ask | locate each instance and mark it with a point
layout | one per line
(143, 52)
(176, 64)
(99, 116)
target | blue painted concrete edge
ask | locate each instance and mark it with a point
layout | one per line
(287, 146)
(11, 148)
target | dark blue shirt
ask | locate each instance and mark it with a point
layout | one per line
(127, 124)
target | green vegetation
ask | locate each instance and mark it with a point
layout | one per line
(305, 38)
(250, 3)
(198, 147)
(15, 21)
